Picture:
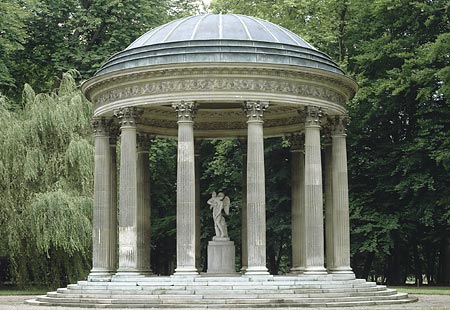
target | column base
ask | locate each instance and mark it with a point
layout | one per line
(341, 273)
(185, 271)
(133, 273)
(315, 270)
(345, 269)
(243, 269)
(297, 270)
(258, 270)
(100, 275)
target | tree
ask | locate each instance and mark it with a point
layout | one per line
(12, 37)
(46, 164)
(82, 34)
(398, 53)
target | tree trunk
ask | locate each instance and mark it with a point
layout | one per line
(393, 272)
(368, 265)
(417, 265)
(443, 276)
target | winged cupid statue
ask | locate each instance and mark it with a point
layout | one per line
(218, 203)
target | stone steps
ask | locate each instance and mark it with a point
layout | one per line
(222, 293)
(181, 299)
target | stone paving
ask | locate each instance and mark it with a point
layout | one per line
(432, 302)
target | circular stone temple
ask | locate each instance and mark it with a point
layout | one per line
(221, 76)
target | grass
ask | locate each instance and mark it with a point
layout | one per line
(4, 292)
(427, 290)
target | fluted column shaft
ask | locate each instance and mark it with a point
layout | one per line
(314, 251)
(298, 221)
(113, 214)
(256, 195)
(197, 205)
(244, 249)
(340, 249)
(129, 215)
(186, 231)
(143, 204)
(104, 225)
(329, 257)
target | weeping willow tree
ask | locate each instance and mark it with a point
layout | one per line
(46, 181)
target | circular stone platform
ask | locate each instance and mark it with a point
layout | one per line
(224, 293)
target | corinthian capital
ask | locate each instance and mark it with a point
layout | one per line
(101, 126)
(128, 116)
(186, 110)
(313, 116)
(255, 110)
(339, 125)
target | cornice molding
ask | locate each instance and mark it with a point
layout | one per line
(310, 83)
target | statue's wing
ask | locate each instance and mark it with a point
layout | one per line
(226, 205)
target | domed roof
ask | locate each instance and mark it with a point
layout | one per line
(219, 27)
(219, 38)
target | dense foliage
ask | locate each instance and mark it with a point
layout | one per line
(398, 142)
(46, 188)
(398, 52)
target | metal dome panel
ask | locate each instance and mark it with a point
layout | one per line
(217, 38)
(219, 27)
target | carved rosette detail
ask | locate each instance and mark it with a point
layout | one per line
(128, 116)
(144, 141)
(339, 125)
(297, 142)
(254, 110)
(313, 116)
(101, 126)
(186, 110)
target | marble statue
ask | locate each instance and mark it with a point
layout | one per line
(219, 202)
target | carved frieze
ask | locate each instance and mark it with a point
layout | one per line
(206, 79)
(225, 84)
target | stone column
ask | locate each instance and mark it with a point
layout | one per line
(244, 255)
(129, 215)
(104, 224)
(314, 250)
(256, 195)
(298, 221)
(328, 206)
(197, 143)
(143, 204)
(113, 215)
(340, 246)
(186, 190)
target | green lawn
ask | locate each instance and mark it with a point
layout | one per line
(429, 290)
(4, 292)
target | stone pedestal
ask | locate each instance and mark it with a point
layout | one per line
(221, 259)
